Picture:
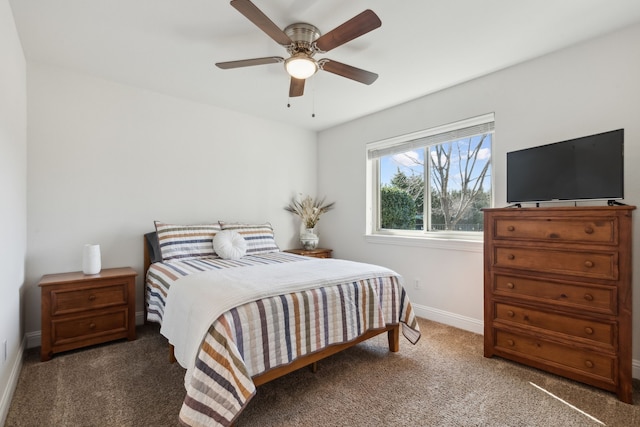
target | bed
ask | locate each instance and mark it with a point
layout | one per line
(238, 312)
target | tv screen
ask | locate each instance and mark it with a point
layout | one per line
(591, 167)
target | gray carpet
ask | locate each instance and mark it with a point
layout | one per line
(442, 381)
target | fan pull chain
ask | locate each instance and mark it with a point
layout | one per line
(313, 98)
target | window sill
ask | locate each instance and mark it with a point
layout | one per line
(468, 245)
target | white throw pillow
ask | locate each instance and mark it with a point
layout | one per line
(229, 244)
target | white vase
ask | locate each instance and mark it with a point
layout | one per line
(91, 263)
(309, 238)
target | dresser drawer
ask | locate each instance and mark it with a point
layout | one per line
(98, 295)
(595, 365)
(592, 330)
(581, 296)
(574, 230)
(76, 328)
(601, 265)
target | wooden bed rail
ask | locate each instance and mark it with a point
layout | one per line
(393, 335)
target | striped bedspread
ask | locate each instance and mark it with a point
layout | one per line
(252, 338)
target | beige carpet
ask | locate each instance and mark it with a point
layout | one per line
(442, 381)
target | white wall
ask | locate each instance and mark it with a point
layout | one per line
(13, 201)
(106, 160)
(586, 89)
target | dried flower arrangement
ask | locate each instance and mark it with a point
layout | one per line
(308, 209)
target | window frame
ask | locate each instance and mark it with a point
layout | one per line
(376, 150)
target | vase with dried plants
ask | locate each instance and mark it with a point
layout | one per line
(309, 211)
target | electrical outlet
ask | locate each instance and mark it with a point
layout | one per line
(416, 283)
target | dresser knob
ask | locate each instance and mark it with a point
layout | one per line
(511, 343)
(510, 285)
(588, 297)
(92, 325)
(511, 228)
(510, 313)
(511, 256)
(588, 264)
(588, 363)
(588, 230)
(92, 297)
(588, 330)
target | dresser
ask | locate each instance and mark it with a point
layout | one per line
(80, 310)
(557, 291)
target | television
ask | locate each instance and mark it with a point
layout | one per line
(586, 168)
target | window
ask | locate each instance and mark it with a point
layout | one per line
(434, 182)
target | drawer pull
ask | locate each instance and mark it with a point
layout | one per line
(92, 297)
(511, 256)
(511, 342)
(511, 228)
(588, 297)
(510, 313)
(510, 285)
(588, 363)
(92, 325)
(588, 330)
(588, 264)
(588, 230)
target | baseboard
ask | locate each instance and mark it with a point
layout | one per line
(448, 318)
(635, 368)
(7, 394)
(477, 326)
(34, 339)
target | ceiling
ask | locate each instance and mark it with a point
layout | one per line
(170, 46)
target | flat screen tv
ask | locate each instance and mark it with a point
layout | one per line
(591, 167)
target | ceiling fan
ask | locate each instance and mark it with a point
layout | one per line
(303, 41)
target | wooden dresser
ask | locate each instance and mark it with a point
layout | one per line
(80, 310)
(557, 291)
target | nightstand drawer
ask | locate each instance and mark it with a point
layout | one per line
(591, 330)
(573, 230)
(104, 294)
(71, 329)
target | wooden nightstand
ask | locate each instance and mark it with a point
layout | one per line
(315, 253)
(79, 310)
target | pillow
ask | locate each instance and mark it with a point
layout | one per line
(260, 238)
(153, 247)
(230, 244)
(186, 241)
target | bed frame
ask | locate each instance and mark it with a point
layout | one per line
(392, 330)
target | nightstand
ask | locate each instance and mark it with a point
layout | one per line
(79, 310)
(315, 253)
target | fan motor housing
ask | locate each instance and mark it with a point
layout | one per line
(303, 35)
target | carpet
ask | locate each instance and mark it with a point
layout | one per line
(442, 381)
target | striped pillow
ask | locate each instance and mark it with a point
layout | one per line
(186, 241)
(260, 238)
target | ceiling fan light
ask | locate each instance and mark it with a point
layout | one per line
(300, 66)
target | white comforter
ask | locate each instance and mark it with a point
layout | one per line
(196, 301)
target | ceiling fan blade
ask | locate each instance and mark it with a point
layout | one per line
(255, 15)
(296, 88)
(344, 70)
(249, 62)
(353, 28)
